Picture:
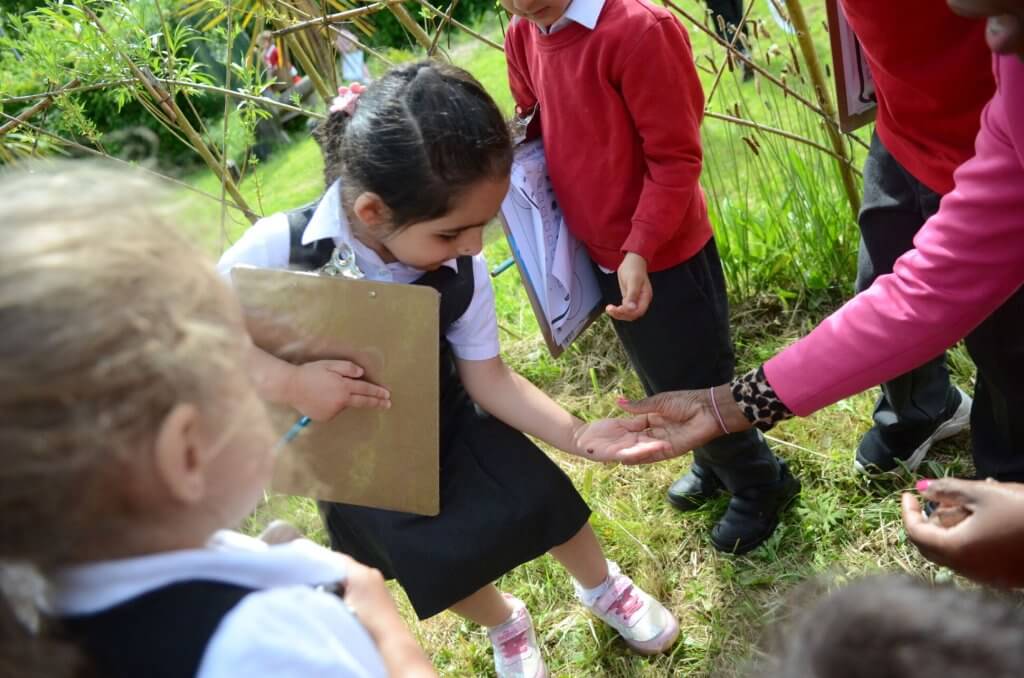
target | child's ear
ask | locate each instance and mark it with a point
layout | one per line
(180, 455)
(371, 210)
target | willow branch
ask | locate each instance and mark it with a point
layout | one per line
(92, 151)
(463, 27)
(178, 119)
(757, 67)
(37, 107)
(445, 21)
(410, 25)
(732, 49)
(743, 122)
(65, 90)
(337, 32)
(336, 18)
(266, 101)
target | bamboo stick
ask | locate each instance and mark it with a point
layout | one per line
(803, 34)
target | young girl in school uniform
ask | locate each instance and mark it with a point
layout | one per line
(129, 436)
(415, 168)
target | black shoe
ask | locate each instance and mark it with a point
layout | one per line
(753, 514)
(879, 454)
(695, 488)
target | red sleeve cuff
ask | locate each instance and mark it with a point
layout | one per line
(644, 240)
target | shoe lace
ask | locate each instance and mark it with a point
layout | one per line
(515, 646)
(627, 604)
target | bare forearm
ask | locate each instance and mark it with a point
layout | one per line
(514, 400)
(403, 657)
(271, 376)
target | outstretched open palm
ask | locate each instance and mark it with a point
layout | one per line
(683, 419)
(606, 439)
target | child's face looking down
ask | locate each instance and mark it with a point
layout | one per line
(541, 12)
(426, 245)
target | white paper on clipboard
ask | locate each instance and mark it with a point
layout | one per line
(554, 266)
(855, 88)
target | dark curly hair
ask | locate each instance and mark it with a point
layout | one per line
(898, 627)
(419, 137)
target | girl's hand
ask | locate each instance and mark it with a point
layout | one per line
(636, 289)
(987, 544)
(280, 532)
(368, 597)
(323, 388)
(604, 440)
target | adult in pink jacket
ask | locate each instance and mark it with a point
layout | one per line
(968, 264)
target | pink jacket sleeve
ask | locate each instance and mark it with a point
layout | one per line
(969, 259)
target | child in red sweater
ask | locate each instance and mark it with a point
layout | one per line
(614, 93)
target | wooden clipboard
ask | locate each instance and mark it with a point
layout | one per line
(385, 459)
(855, 88)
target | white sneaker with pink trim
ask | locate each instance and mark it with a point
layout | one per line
(516, 653)
(644, 623)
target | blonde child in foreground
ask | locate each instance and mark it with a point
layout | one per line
(129, 437)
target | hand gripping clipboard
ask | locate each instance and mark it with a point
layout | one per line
(379, 458)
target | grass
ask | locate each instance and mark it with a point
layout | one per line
(788, 242)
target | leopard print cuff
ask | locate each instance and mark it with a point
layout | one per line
(759, 402)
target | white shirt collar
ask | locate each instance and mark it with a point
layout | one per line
(229, 557)
(584, 12)
(329, 221)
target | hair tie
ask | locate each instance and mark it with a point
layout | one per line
(345, 102)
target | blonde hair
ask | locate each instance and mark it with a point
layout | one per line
(110, 318)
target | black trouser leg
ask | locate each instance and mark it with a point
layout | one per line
(727, 15)
(997, 417)
(683, 342)
(894, 208)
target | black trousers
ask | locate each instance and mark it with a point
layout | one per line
(997, 424)
(684, 342)
(726, 16)
(894, 208)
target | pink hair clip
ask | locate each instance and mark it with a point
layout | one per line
(346, 99)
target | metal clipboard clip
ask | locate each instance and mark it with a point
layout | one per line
(520, 124)
(342, 264)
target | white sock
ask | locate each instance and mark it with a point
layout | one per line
(590, 596)
(511, 616)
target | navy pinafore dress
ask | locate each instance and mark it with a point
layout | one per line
(504, 502)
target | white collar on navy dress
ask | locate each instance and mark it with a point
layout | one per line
(329, 221)
(229, 557)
